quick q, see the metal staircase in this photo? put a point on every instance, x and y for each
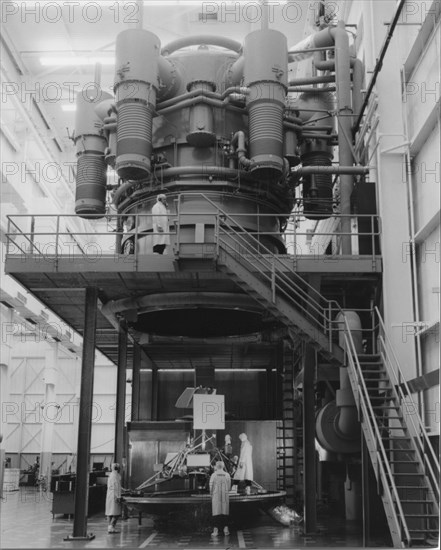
(405, 465)
(287, 297)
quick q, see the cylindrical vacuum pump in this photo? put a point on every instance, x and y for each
(136, 85)
(265, 74)
(90, 141)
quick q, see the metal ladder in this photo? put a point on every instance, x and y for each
(289, 433)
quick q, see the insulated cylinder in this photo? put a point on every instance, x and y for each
(90, 141)
(201, 132)
(265, 75)
(136, 85)
(317, 188)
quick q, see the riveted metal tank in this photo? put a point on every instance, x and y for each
(90, 142)
(136, 85)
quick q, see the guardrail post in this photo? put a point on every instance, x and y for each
(273, 281)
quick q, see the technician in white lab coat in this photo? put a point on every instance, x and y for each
(113, 498)
(244, 470)
(220, 485)
(161, 237)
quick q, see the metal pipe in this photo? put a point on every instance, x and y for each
(195, 170)
(311, 80)
(357, 82)
(379, 64)
(341, 170)
(343, 78)
(312, 90)
(241, 149)
(210, 39)
(199, 99)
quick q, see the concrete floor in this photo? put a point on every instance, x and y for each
(26, 522)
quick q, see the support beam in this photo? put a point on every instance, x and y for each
(85, 418)
(120, 394)
(136, 381)
(309, 454)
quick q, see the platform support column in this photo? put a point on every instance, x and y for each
(155, 391)
(120, 395)
(309, 454)
(366, 490)
(136, 381)
(85, 418)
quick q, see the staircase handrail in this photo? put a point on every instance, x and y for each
(295, 289)
(324, 312)
(369, 416)
(395, 372)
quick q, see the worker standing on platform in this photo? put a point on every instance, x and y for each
(161, 237)
(244, 470)
(220, 485)
(113, 498)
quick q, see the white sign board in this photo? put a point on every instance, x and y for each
(208, 412)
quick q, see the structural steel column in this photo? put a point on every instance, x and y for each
(155, 392)
(366, 490)
(120, 395)
(85, 418)
(136, 381)
(309, 454)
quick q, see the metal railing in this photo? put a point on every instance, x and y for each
(426, 455)
(380, 461)
(425, 450)
(53, 236)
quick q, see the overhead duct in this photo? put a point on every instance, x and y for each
(90, 142)
(136, 86)
(265, 74)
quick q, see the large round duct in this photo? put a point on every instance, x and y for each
(136, 85)
(90, 141)
(337, 424)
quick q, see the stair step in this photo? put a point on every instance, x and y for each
(420, 487)
(421, 515)
(404, 461)
(394, 428)
(417, 501)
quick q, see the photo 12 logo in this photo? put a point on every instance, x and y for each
(71, 12)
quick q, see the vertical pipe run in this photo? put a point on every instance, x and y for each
(85, 416)
(136, 381)
(120, 395)
(343, 83)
